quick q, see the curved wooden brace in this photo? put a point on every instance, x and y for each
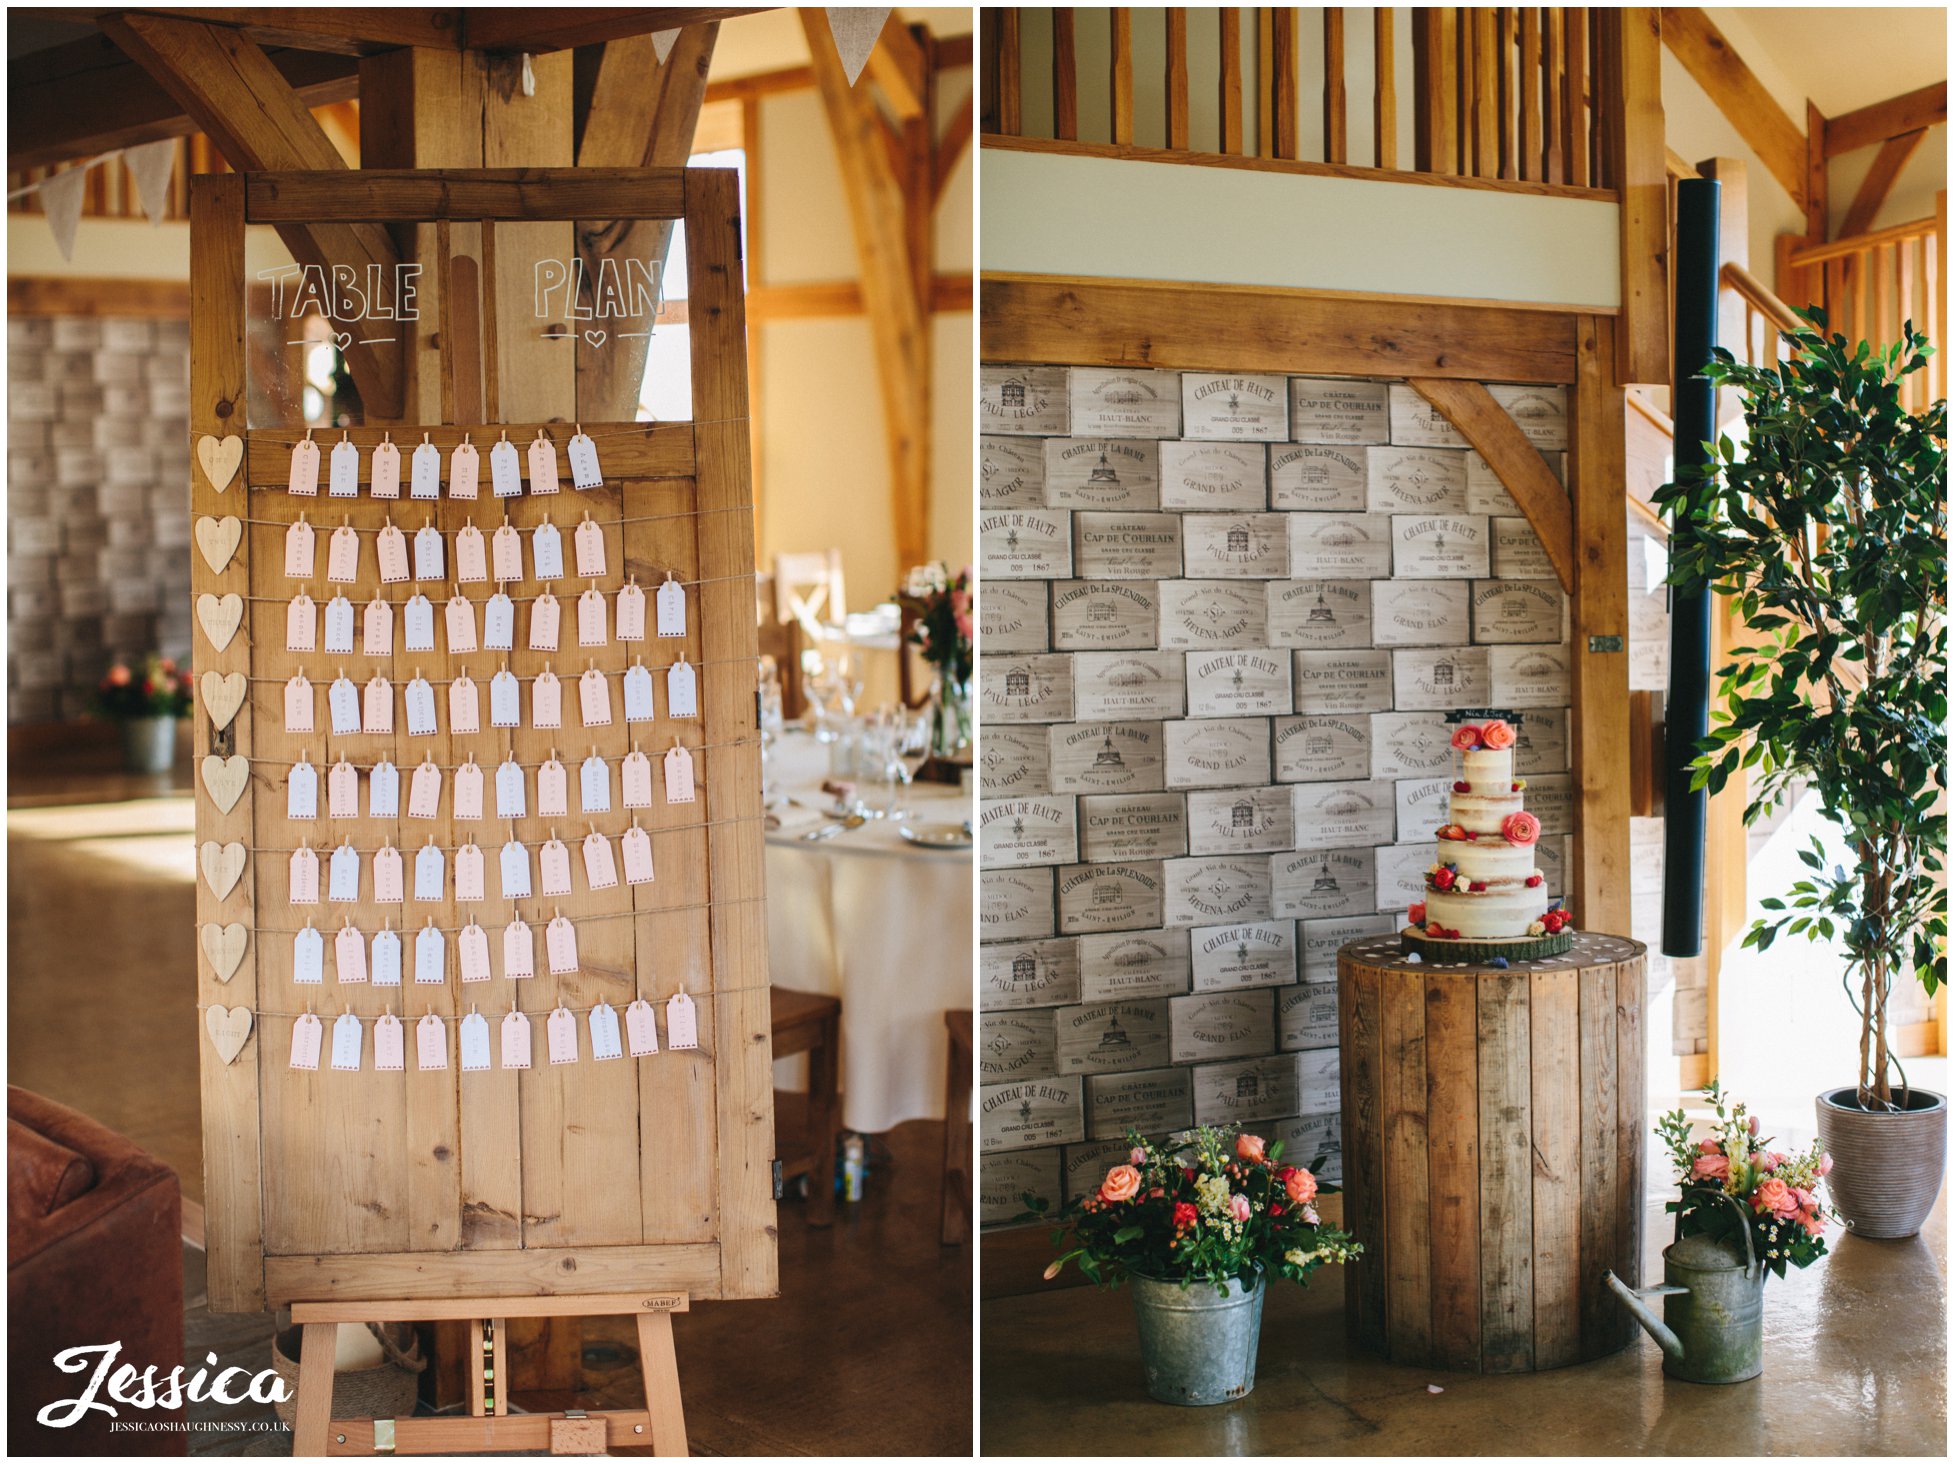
(1517, 463)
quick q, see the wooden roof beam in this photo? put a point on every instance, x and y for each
(1693, 38)
(1882, 121)
(537, 29)
(350, 31)
(901, 67)
(232, 91)
(1892, 156)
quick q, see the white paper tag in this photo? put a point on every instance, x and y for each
(509, 792)
(390, 547)
(430, 560)
(302, 792)
(637, 780)
(301, 623)
(590, 549)
(383, 791)
(377, 708)
(599, 865)
(430, 874)
(552, 790)
(420, 708)
(671, 608)
(516, 1045)
(425, 471)
(594, 783)
(299, 551)
(637, 694)
(339, 626)
(605, 1041)
(304, 885)
(681, 1022)
(560, 941)
(474, 949)
(460, 615)
(518, 950)
(349, 956)
(464, 706)
(546, 701)
(298, 704)
(585, 471)
(553, 864)
(344, 480)
(468, 790)
(642, 1027)
(424, 791)
(630, 613)
(430, 956)
(506, 550)
(505, 700)
(471, 882)
(303, 476)
(637, 856)
(307, 1033)
(343, 555)
(431, 1044)
(389, 884)
(386, 471)
(348, 1039)
(377, 628)
(471, 555)
(505, 469)
(546, 551)
(309, 957)
(681, 691)
(343, 782)
(386, 958)
(678, 776)
(474, 1043)
(343, 876)
(545, 622)
(542, 465)
(499, 623)
(515, 871)
(594, 698)
(464, 472)
(417, 618)
(343, 708)
(560, 1032)
(388, 1056)
(591, 615)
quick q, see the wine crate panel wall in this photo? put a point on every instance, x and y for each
(1223, 619)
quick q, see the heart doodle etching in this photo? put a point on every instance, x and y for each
(596, 337)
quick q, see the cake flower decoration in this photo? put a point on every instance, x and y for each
(1520, 828)
(1468, 737)
(1496, 734)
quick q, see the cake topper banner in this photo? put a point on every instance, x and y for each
(1461, 715)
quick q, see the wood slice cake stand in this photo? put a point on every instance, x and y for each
(1494, 1128)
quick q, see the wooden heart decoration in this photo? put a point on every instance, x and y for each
(220, 458)
(224, 947)
(220, 616)
(218, 539)
(596, 337)
(229, 1028)
(223, 695)
(224, 779)
(222, 865)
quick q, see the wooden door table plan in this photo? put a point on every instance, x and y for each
(447, 1188)
(1494, 1132)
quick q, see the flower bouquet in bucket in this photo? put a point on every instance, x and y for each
(1199, 1225)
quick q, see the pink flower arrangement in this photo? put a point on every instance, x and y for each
(1776, 1190)
(163, 690)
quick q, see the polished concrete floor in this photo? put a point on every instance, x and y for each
(866, 1351)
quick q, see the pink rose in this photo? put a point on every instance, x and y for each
(1773, 1197)
(1520, 828)
(1137, 1157)
(1710, 1166)
(1466, 738)
(120, 676)
(1301, 1186)
(1824, 1163)
(1249, 1147)
(1497, 734)
(1754, 1125)
(1768, 1159)
(1122, 1183)
(1238, 1208)
(1708, 1146)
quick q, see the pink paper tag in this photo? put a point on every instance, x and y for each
(599, 866)
(348, 1039)
(545, 622)
(468, 790)
(307, 1033)
(560, 939)
(542, 465)
(389, 882)
(590, 549)
(343, 875)
(554, 865)
(298, 704)
(344, 469)
(474, 953)
(377, 629)
(389, 1055)
(461, 626)
(605, 1041)
(298, 551)
(302, 791)
(562, 1029)
(678, 776)
(464, 471)
(637, 856)
(671, 608)
(303, 476)
(471, 880)
(339, 626)
(391, 547)
(343, 556)
(594, 698)
(464, 706)
(474, 1043)
(546, 701)
(301, 623)
(591, 630)
(681, 1022)
(305, 878)
(377, 713)
(386, 471)
(424, 791)
(631, 613)
(430, 955)
(349, 956)
(515, 871)
(499, 623)
(386, 958)
(471, 555)
(552, 791)
(518, 950)
(342, 791)
(505, 469)
(431, 1044)
(507, 549)
(637, 780)
(516, 1046)
(641, 1028)
(426, 470)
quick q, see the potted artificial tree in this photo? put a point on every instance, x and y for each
(1827, 528)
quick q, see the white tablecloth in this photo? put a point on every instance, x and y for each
(882, 924)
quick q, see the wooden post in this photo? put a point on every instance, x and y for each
(1384, 98)
(1122, 76)
(1065, 76)
(1176, 78)
(1633, 142)
(1230, 99)
(1336, 145)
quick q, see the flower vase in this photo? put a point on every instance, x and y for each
(950, 720)
(149, 744)
(1197, 1344)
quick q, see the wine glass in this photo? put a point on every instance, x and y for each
(912, 749)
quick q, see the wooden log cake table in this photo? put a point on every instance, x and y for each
(1493, 1141)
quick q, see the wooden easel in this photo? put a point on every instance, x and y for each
(489, 1427)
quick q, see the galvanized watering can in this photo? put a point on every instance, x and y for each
(1712, 1325)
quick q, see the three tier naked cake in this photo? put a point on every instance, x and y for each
(1484, 898)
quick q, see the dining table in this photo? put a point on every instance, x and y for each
(876, 918)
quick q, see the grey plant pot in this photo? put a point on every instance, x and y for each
(149, 744)
(1198, 1346)
(1886, 1167)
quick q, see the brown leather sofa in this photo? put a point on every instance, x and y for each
(94, 1255)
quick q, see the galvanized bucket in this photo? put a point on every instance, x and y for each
(1197, 1344)
(149, 744)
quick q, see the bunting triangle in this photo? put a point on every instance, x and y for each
(856, 28)
(151, 163)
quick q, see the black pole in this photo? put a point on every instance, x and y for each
(1687, 715)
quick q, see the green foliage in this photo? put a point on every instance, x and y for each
(1827, 529)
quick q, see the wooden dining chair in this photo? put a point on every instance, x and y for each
(808, 588)
(804, 1021)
